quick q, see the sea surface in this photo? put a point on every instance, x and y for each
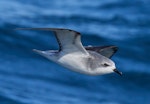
(27, 78)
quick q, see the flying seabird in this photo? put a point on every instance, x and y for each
(91, 60)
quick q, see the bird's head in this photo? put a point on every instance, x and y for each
(107, 66)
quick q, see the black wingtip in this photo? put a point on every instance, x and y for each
(115, 48)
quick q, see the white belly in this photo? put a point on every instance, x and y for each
(75, 62)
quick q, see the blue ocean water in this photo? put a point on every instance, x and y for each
(27, 78)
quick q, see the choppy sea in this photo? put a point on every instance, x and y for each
(27, 78)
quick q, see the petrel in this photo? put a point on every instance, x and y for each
(90, 60)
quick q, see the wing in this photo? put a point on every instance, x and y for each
(107, 51)
(68, 40)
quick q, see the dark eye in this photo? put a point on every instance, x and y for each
(105, 64)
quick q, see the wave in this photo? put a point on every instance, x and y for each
(6, 100)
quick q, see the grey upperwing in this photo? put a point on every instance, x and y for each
(68, 40)
(107, 51)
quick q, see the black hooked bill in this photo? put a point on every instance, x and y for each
(118, 72)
